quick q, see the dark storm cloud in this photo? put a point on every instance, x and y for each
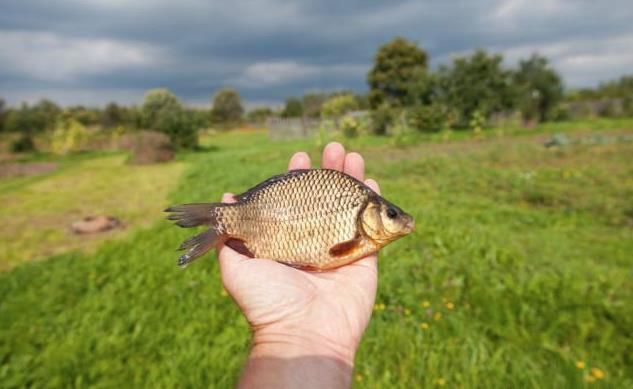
(93, 51)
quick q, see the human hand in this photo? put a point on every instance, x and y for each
(296, 313)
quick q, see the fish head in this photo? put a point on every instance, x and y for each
(384, 222)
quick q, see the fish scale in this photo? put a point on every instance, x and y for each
(301, 232)
(305, 218)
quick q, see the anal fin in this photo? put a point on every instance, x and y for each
(239, 246)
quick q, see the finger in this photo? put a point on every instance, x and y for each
(373, 185)
(228, 198)
(355, 166)
(299, 160)
(333, 156)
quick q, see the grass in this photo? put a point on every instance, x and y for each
(519, 268)
(38, 210)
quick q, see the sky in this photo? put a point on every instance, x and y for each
(91, 52)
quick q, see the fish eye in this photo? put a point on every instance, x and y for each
(392, 213)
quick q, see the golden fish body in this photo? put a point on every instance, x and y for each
(314, 218)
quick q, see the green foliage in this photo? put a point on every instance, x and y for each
(382, 118)
(350, 127)
(84, 115)
(163, 112)
(32, 119)
(259, 115)
(23, 144)
(397, 64)
(227, 107)
(69, 136)
(476, 83)
(2, 113)
(428, 118)
(312, 103)
(293, 108)
(539, 88)
(477, 122)
(339, 105)
(519, 268)
(112, 116)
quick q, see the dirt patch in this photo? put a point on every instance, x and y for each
(26, 169)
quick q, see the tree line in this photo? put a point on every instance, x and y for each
(466, 93)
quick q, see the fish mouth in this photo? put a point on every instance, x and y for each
(409, 225)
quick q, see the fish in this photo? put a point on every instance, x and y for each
(311, 219)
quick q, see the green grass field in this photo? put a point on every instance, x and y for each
(520, 269)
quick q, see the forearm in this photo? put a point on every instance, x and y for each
(296, 361)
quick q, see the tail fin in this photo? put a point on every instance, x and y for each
(192, 215)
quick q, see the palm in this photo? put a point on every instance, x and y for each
(336, 304)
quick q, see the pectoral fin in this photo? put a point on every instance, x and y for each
(345, 248)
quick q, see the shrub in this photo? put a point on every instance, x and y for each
(428, 118)
(163, 112)
(477, 122)
(23, 144)
(350, 127)
(382, 118)
(69, 136)
(338, 105)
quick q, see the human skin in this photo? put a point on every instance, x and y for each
(306, 325)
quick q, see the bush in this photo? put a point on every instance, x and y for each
(163, 112)
(338, 105)
(477, 122)
(23, 144)
(428, 118)
(382, 118)
(70, 135)
(350, 127)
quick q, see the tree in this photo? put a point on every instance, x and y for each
(227, 107)
(163, 112)
(539, 88)
(396, 65)
(259, 115)
(312, 103)
(337, 106)
(112, 116)
(475, 84)
(293, 108)
(47, 113)
(2, 113)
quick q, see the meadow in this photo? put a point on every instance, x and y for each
(517, 276)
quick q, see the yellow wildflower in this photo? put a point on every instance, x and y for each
(580, 364)
(589, 379)
(379, 307)
(407, 311)
(597, 373)
(437, 316)
(223, 293)
(424, 325)
(450, 305)
(359, 377)
(440, 382)
(425, 304)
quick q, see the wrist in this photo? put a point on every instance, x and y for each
(294, 341)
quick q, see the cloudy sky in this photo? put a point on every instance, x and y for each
(93, 51)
